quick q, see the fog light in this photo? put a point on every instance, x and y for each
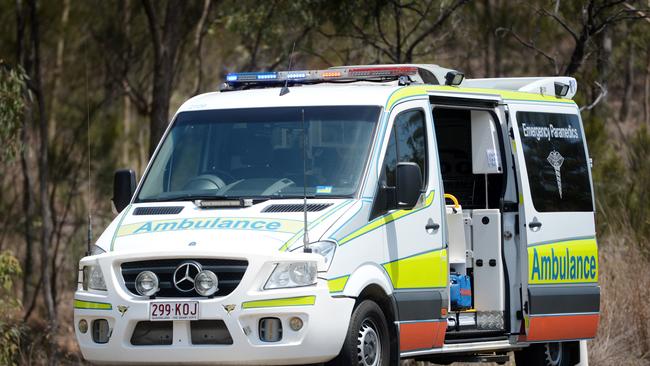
(206, 283)
(146, 284)
(295, 323)
(83, 326)
(270, 330)
(101, 331)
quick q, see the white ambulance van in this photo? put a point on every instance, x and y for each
(357, 215)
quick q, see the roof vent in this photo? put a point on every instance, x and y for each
(312, 207)
(157, 210)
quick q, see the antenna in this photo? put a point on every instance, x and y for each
(90, 218)
(305, 238)
(285, 88)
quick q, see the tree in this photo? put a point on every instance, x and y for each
(168, 30)
(395, 29)
(29, 20)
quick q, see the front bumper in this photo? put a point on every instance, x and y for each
(325, 321)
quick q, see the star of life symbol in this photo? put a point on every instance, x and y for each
(556, 160)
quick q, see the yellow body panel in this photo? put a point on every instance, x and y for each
(338, 284)
(426, 270)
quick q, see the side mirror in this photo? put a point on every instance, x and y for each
(409, 185)
(123, 188)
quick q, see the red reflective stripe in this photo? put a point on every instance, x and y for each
(385, 68)
(422, 335)
(559, 327)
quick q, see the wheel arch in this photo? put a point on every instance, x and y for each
(371, 282)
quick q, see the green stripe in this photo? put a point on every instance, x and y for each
(80, 304)
(289, 301)
(126, 212)
(507, 95)
(338, 284)
(386, 219)
(294, 238)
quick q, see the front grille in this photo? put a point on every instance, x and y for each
(158, 210)
(228, 271)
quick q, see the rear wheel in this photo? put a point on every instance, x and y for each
(367, 342)
(547, 354)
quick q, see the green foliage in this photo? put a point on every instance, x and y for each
(9, 271)
(12, 105)
(10, 322)
(621, 179)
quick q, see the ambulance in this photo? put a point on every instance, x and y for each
(356, 215)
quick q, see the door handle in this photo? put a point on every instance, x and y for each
(534, 225)
(432, 226)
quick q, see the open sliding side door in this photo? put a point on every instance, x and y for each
(560, 292)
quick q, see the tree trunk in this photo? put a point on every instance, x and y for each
(487, 40)
(198, 45)
(578, 55)
(126, 100)
(46, 215)
(166, 35)
(28, 198)
(646, 93)
(628, 84)
(58, 69)
(162, 92)
(28, 208)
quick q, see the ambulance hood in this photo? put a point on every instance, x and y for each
(262, 228)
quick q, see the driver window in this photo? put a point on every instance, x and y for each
(407, 144)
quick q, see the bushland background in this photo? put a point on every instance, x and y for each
(89, 86)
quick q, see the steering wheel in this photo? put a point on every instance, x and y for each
(204, 182)
(222, 173)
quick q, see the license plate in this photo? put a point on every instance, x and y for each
(186, 310)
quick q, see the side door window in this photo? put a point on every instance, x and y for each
(407, 144)
(556, 162)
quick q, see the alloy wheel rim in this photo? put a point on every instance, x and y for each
(553, 352)
(369, 344)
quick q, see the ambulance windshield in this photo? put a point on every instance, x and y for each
(258, 153)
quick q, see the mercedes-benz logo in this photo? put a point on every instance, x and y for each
(184, 276)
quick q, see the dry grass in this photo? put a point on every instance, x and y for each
(624, 331)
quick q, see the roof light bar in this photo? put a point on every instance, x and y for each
(378, 73)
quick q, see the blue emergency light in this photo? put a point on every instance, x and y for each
(266, 78)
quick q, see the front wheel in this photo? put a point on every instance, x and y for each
(366, 342)
(548, 354)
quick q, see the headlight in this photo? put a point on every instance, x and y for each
(326, 249)
(206, 283)
(295, 274)
(93, 278)
(146, 284)
(95, 250)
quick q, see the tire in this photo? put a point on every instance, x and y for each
(548, 354)
(367, 341)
